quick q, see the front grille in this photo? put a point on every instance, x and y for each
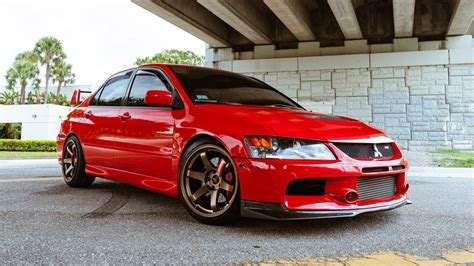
(378, 187)
(306, 187)
(366, 151)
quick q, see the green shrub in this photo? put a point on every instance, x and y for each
(27, 145)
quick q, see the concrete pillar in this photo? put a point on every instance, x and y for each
(403, 16)
(243, 17)
(191, 17)
(346, 18)
(462, 17)
(295, 15)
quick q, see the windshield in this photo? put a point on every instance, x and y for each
(204, 85)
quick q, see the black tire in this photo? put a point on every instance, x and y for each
(227, 188)
(74, 165)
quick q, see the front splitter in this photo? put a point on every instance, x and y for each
(274, 211)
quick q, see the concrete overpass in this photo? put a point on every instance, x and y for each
(406, 66)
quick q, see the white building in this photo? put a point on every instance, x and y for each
(38, 121)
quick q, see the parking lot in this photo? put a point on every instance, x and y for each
(44, 221)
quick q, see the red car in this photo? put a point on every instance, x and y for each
(228, 145)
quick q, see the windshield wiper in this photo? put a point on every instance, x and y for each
(219, 101)
(285, 106)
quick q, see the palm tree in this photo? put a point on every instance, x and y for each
(61, 72)
(28, 56)
(48, 49)
(9, 97)
(22, 71)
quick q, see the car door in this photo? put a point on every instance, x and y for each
(144, 139)
(101, 120)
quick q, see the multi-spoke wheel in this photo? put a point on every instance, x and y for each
(74, 164)
(209, 186)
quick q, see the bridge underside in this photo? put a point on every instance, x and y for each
(242, 24)
(404, 66)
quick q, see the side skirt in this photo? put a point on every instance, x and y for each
(150, 183)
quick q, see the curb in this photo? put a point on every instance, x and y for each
(440, 172)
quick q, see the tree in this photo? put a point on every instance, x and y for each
(48, 49)
(10, 131)
(173, 56)
(61, 72)
(9, 96)
(28, 56)
(22, 72)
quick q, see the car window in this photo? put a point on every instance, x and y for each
(205, 85)
(143, 82)
(113, 92)
(95, 99)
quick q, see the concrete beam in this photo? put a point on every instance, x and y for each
(243, 17)
(295, 15)
(346, 18)
(403, 16)
(191, 17)
(462, 17)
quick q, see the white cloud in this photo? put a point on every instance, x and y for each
(99, 37)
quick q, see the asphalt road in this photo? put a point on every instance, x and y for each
(44, 221)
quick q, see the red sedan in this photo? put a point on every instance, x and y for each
(228, 145)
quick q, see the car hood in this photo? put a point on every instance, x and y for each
(299, 124)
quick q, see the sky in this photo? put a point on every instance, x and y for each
(99, 37)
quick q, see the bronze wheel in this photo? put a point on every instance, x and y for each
(73, 164)
(70, 160)
(209, 185)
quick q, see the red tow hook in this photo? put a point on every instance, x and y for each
(406, 188)
(346, 195)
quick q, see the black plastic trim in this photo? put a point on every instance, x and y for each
(275, 211)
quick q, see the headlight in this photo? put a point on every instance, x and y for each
(283, 148)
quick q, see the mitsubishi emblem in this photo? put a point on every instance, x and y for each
(377, 153)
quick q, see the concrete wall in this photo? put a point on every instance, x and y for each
(39, 121)
(422, 99)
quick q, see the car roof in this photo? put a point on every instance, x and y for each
(181, 65)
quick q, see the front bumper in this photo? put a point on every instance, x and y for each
(264, 183)
(273, 211)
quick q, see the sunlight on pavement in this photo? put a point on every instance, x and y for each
(451, 257)
(31, 179)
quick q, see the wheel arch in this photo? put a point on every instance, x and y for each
(201, 136)
(70, 134)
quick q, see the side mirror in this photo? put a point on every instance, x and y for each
(158, 98)
(76, 97)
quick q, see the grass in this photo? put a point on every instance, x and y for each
(454, 158)
(27, 154)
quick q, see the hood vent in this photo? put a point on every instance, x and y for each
(326, 117)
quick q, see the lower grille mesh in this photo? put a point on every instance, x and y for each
(378, 187)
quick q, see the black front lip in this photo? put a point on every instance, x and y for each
(274, 211)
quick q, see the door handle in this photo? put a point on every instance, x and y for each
(125, 116)
(88, 114)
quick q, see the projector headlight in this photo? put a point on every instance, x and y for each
(284, 148)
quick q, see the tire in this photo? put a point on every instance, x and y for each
(208, 185)
(74, 165)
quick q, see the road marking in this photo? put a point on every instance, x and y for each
(30, 179)
(451, 257)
